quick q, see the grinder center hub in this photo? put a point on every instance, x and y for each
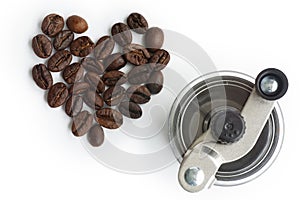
(227, 126)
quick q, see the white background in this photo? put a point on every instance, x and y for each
(40, 159)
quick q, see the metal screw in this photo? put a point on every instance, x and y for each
(228, 126)
(268, 85)
(194, 176)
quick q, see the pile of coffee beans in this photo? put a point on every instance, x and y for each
(92, 72)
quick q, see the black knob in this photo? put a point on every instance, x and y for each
(227, 126)
(271, 84)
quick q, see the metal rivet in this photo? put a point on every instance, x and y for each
(268, 85)
(228, 126)
(194, 176)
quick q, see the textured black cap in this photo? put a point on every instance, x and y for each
(227, 126)
(277, 76)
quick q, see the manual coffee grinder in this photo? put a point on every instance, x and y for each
(227, 128)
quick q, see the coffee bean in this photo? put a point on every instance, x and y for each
(41, 46)
(52, 25)
(95, 82)
(137, 23)
(155, 82)
(113, 78)
(63, 39)
(139, 74)
(82, 46)
(78, 88)
(104, 47)
(73, 73)
(154, 39)
(82, 123)
(42, 76)
(96, 136)
(93, 100)
(136, 54)
(57, 95)
(59, 60)
(77, 24)
(138, 94)
(159, 59)
(73, 105)
(114, 62)
(121, 33)
(130, 109)
(113, 95)
(109, 118)
(92, 65)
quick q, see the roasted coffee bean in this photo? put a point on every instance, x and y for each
(130, 109)
(77, 24)
(95, 81)
(138, 94)
(159, 59)
(73, 105)
(82, 46)
(155, 82)
(121, 33)
(73, 73)
(113, 78)
(95, 136)
(59, 60)
(93, 100)
(136, 54)
(104, 47)
(42, 76)
(92, 65)
(154, 38)
(63, 39)
(137, 23)
(41, 46)
(113, 95)
(109, 118)
(78, 88)
(82, 123)
(52, 25)
(114, 62)
(57, 95)
(139, 74)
